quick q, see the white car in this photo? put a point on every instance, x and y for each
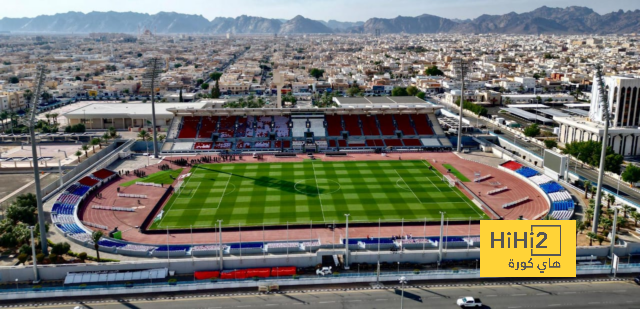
(467, 302)
(324, 271)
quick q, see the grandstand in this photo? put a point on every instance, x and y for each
(562, 204)
(340, 129)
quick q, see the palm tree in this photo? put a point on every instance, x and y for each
(143, 135)
(48, 116)
(96, 236)
(589, 213)
(610, 200)
(106, 137)
(625, 209)
(162, 137)
(592, 236)
(85, 148)
(579, 229)
(78, 154)
(54, 116)
(112, 132)
(587, 185)
(635, 216)
(94, 142)
(3, 116)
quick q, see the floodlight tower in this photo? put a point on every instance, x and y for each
(151, 74)
(603, 152)
(40, 77)
(278, 80)
(461, 68)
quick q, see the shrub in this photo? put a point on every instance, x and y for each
(82, 256)
(173, 281)
(61, 248)
(26, 249)
(40, 257)
(53, 258)
(22, 257)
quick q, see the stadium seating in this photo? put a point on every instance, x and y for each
(527, 172)
(240, 144)
(317, 127)
(281, 128)
(283, 144)
(227, 126)
(393, 142)
(512, 165)
(375, 143)
(263, 144)
(351, 125)
(412, 142)
(369, 125)
(263, 126)
(421, 125)
(334, 125)
(241, 131)
(189, 127)
(88, 181)
(551, 187)
(387, 126)
(404, 124)
(208, 127)
(299, 127)
(540, 179)
(342, 143)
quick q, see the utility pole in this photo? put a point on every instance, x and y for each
(440, 242)
(603, 153)
(346, 243)
(461, 67)
(40, 77)
(154, 68)
(220, 243)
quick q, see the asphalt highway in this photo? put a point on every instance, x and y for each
(601, 294)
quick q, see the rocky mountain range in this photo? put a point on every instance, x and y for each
(569, 20)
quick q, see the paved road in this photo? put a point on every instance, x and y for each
(584, 172)
(621, 294)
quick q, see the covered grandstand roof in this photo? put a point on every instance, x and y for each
(526, 115)
(380, 100)
(344, 110)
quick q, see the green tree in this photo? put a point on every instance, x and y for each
(412, 91)
(177, 65)
(589, 153)
(399, 92)
(161, 137)
(474, 108)
(550, 144)
(85, 148)
(532, 130)
(95, 237)
(205, 86)
(354, 90)
(636, 217)
(421, 95)
(78, 154)
(587, 185)
(631, 174)
(433, 71)
(625, 209)
(592, 236)
(317, 73)
(95, 142)
(215, 92)
(215, 76)
(14, 80)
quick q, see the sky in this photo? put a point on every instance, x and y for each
(342, 10)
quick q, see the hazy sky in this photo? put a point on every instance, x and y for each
(344, 10)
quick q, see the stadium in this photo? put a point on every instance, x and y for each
(257, 181)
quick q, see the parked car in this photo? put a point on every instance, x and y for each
(324, 271)
(637, 280)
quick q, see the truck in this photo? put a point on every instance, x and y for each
(467, 302)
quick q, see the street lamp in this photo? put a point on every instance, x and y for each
(403, 281)
(60, 150)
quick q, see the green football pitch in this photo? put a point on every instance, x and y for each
(313, 191)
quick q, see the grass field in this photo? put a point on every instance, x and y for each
(297, 193)
(161, 177)
(456, 173)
